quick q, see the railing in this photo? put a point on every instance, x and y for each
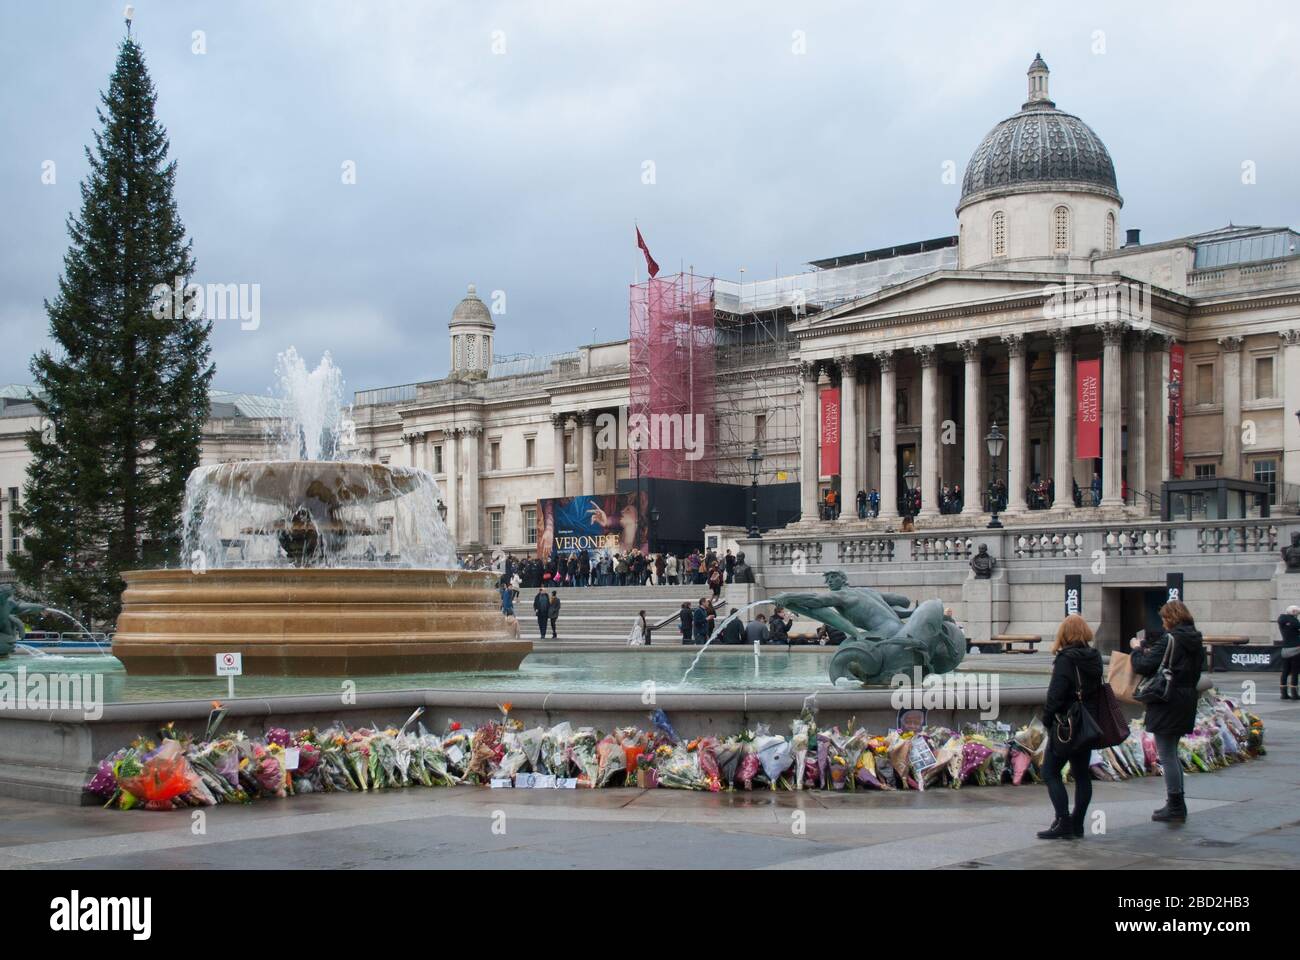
(1237, 536)
(1246, 539)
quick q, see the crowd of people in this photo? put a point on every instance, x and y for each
(586, 568)
(1039, 495)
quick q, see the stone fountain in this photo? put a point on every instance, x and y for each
(314, 565)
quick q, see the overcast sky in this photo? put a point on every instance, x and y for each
(522, 170)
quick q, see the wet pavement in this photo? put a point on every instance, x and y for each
(1245, 816)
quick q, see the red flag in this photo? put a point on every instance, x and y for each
(651, 267)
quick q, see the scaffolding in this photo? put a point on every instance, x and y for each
(758, 393)
(671, 419)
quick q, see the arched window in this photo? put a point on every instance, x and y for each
(998, 232)
(1061, 229)
(1110, 232)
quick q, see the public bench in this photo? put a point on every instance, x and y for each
(1220, 641)
(1006, 642)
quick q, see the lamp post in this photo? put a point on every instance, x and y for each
(442, 510)
(995, 440)
(755, 461)
(652, 538)
(909, 484)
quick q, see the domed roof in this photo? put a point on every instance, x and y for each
(471, 312)
(1039, 147)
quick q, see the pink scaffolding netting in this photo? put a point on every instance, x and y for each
(670, 352)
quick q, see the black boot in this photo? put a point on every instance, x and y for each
(1174, 810)
(1295, 694)
(1286, 693)
(1061, 829)
(1077, 822)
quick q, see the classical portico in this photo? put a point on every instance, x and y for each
(944, 377)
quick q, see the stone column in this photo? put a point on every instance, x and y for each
(808, 466)
(1137, 417)
(587, 430)
(427, 453)
(1017, 424)
(870, 421)
(931, 455)
(472, 520)
(450, 495)
(557, 452)
(1063, 421)
(972, 500)
(1291, 391)
(1231, 347)
(1112, 437)
(849, 431)
(888, 437)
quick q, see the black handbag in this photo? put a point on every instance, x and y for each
(1158, 687)
(1078, 731)
(1110, 719)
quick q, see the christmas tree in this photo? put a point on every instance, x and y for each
(124, 392)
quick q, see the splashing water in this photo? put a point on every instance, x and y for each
(718, 629)
(315, 507)
(314, 408)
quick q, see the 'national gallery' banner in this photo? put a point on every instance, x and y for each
(1087, 430)
(1176, 376)
(829, 418)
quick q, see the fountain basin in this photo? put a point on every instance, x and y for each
(315, 621)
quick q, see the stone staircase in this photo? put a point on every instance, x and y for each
(605, 614)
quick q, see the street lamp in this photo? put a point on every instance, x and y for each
(909, 484)
(442, 510)
(755, 461)
(995, 440)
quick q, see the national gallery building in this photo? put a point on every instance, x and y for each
(1042, 346)
(1038, 305)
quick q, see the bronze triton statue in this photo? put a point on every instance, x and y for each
(11, 628)
(884, 634)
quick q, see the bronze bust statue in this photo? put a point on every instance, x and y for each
(1291, 554)
(982, 563)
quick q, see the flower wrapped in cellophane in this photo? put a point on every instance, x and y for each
(584, 756)
(680, 770)
(157, 777)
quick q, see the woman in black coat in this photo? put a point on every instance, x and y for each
(1170, 720)
(1289, 625)
(1077, 667)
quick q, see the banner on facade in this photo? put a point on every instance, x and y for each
(830, 431)
(1073, 594)
(1174, 587)
(1253, 657)
(606, 523)
(1087, 429)
(1176, 376)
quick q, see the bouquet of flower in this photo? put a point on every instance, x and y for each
(773, 756)
(749, 766)
(899, 752)
(553, 755)
(799, 730)
(976, 754)
(708, 760)
(728, 754)
(680, 770)
(583, 754)
(457, 746)
(610, 761)
(157, 777)
(514, 759)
